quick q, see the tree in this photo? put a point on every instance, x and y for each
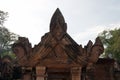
(111, 41)
(6, 37)
(3, 16)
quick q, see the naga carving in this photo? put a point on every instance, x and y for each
(22, 49)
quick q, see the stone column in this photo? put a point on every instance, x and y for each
(90, 72)
(27, 74)
(40, 73)
(76, 73)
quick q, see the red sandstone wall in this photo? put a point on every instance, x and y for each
(104, 69)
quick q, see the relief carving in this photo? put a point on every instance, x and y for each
(57, 45)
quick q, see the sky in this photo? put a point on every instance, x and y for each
(85, 18)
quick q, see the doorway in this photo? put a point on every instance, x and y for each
(58, 74)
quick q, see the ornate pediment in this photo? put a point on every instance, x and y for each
(57, 47)
(56, 41)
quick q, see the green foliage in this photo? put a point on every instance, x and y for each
(3, 16)
(111, 41)
(8, 53)
(6, 37)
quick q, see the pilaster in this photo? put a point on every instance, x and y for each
(76, 73)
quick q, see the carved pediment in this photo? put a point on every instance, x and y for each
(56, 42)
(57, 47)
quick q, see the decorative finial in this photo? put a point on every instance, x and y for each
(58, 26)
(57, 19)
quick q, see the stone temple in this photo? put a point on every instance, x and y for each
(59, 57)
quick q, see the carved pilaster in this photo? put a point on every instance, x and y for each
(40, 73)
(90, 72)
(76, 73)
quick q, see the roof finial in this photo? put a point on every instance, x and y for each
(57, 19)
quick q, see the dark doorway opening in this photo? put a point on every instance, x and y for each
(58, 74)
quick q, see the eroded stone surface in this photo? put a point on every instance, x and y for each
(57, 50)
